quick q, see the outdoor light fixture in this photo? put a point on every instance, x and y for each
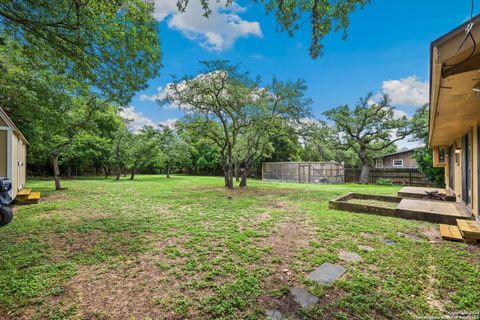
(476, 88)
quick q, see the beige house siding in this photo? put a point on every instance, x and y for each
(454, 111)
(3, 153)
(458, 178)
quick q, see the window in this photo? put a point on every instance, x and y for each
(379, 163)
(442, 155)
(398, 163)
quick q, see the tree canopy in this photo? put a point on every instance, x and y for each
(370, 127)
(234, 111)
(92, 41)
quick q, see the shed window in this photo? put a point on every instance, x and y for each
(398, 163)
(379, 163)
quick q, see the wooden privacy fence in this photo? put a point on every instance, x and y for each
(303, 172)
(404, 176)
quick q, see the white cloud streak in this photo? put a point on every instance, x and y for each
(409, 91)
(218, 32)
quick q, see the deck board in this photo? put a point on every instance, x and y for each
(450, 232)
(24, 192)
(470, 230)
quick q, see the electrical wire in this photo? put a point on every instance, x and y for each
(468, 35)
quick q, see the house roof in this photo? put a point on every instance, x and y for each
(12, 125)
(394, 153)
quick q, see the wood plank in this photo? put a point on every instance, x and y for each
(468, 227)
(24, 192)
(34, 196)
(450, 232)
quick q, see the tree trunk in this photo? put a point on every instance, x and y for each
(168, 171)
(237, 175)
(364, 174)
(132, 176)
(119, 172)
(228, 175)
(56, 173)
(107, 171)
(97, 169)
(243, 182)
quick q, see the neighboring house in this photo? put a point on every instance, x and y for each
(401, 159)
(13, 152)
(454, 132)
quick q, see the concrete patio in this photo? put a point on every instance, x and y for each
(446, 212)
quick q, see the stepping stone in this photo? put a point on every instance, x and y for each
(389, 242)
(304, 298)
(274, 315)
(327, 273)
(366, 248)
(349, 256)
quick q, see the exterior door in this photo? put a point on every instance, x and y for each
(466, 169)
(451, 167)
(304, 172)
(478, 171)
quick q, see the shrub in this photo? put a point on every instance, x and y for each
(384, 182)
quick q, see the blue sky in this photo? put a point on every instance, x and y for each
(387, 50)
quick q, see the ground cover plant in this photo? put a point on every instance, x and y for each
(186, 247)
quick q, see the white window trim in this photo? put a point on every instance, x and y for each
(10, 158)
(377, 163)
(396, 165)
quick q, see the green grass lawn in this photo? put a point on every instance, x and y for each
(184, 247)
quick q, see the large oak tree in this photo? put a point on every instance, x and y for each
(368, 129)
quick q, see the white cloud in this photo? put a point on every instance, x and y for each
(407, 91)
(218, 32)
(398, 114)
(168, 123)
(138, 120)
(161, 92)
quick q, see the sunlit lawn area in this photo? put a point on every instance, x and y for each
(185, 247)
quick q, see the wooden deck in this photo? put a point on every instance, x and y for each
(419, 192)
(446, 212)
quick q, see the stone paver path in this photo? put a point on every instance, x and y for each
(327, 273)
(274, 315)
(304, 298)
(366, 248)
(349, 256)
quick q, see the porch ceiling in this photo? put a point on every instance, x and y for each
(455, 70)
(457, 109)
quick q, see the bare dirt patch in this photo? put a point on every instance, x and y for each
(290, 236)
(431, 233)
(283, 205)
(115, 293)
